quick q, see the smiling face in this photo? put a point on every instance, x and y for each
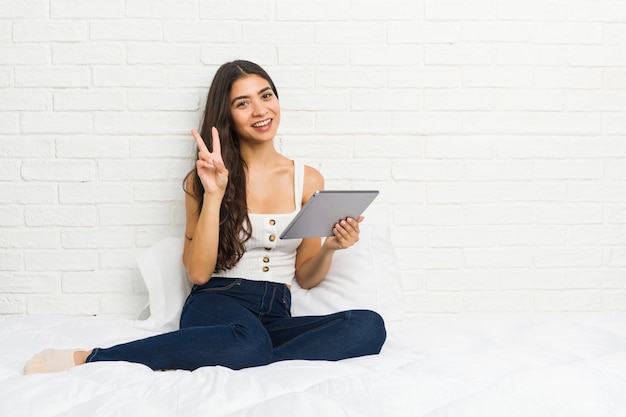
(254, 108)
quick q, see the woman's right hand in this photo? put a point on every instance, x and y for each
(210, 166)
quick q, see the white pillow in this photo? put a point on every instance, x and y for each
(165, 277)
(364, 276)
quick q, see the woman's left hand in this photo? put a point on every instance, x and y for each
(346, 234)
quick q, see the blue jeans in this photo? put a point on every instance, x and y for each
(239, 323)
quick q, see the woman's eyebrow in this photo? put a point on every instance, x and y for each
(243, 97)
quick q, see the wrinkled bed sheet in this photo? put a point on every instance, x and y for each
(498, 365)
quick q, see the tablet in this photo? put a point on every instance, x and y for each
(324, 209)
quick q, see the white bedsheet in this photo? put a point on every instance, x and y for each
(469, 366)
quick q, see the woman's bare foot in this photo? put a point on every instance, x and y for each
(80, 356)
(55, 360)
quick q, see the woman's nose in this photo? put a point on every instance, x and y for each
(259, 110)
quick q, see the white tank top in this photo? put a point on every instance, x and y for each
(267, 257)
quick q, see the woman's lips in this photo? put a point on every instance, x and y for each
(263, 124)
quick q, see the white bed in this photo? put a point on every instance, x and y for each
(499, 365)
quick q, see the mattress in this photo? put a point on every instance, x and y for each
(484, 365)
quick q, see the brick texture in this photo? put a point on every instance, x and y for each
(494, 129)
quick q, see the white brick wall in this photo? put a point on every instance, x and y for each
(495, 130)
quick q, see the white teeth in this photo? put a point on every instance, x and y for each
(263, 123)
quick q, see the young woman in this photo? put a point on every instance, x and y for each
(240, 196)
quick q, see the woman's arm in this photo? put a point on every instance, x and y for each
(202, 227)
(201, 238)
(313, 258)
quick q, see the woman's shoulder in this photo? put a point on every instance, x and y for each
(188, 183)
(312, 174)
(313, 181)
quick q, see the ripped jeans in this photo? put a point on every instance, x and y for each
(239, 323)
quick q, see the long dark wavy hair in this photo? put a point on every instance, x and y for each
(235, 227)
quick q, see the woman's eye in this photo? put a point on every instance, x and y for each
(267, 95)
(242, 104)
